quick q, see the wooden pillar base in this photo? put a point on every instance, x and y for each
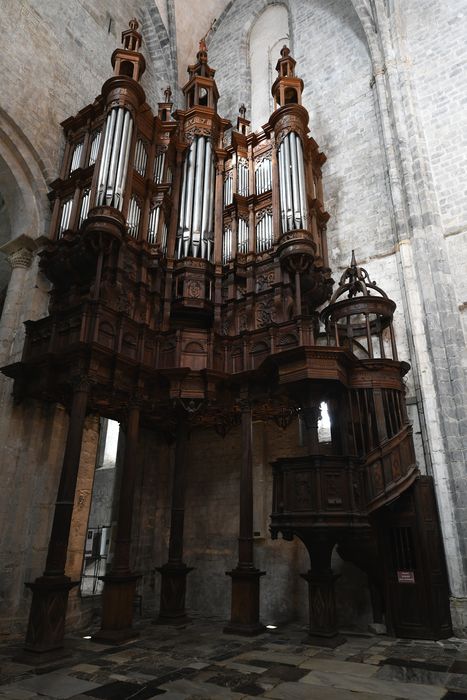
(46, 627)
(244, 617)
(117, 608)
(173, 590)
(322, 602)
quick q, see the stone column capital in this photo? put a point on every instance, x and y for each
(21, 258)
(20, 250)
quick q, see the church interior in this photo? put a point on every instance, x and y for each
(232, 340)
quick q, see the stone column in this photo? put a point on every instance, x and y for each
(120, 583)
(46, 629)
(174, 572)
(245, 577)
(20, 256)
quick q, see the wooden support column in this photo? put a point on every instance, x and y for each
(46, 628)
(323, 629)
(245, 577)
(174, 572)
(120, 583)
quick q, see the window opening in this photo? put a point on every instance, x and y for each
(97, 551)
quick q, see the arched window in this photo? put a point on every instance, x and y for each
(268, 35)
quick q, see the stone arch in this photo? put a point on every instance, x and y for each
(160, 45)
(272, 25)
(22, 181)
(242, 44)
(23, 192)
(231, 36)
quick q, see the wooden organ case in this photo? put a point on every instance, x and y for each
(187, 273)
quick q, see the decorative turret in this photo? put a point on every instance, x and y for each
(360, 320)
(127, 60)
(201, 89)
(243, 124)
(165, 107)
(287, 88)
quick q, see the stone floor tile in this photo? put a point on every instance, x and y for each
(201, 690)
(375, 660)
(198, 665)
(85, 668)
(120, 690)
(299, 691)
(333, 666)
(243, 668)
(14, 692)
(281, 672)
(412, 674)
(359, 684)
(56, 685)
(457, 681)
(277, 657)
(140, 677)
(458, 666)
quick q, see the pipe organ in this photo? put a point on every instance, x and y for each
(188, 271)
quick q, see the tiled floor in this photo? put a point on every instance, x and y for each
(200, 662)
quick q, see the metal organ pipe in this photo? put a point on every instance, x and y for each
(268, 166)
(301, 182)
(96, 139)
(283, 197)
(198, 197)
(242, 239)
(134, 213)
(207, 191)
(182, 207)
(227, 245)
(243, 177)
(65, 217)
(196, 206)
(153, 224)
(288, 188)
(105, 158)
(269, 236)
(296, 211)
(190, 192)
(210, 235)
(84, 206)
(123, 160)
(159, 167)
(114, 160)
(76, 158)
(292, 183)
